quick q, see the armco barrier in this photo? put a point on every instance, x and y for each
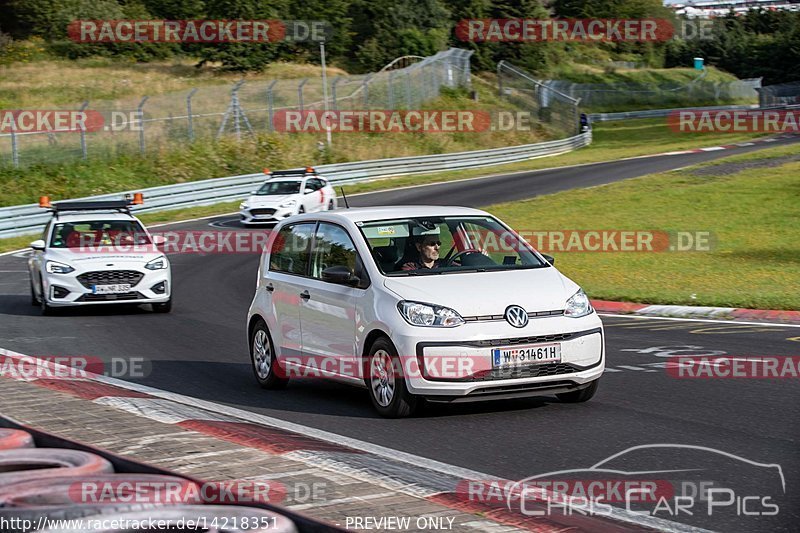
(652, 113)
(30, 218)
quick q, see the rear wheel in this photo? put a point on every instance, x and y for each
(330, 205)
(262, 356)
(578, 396)
(301, 210)
(386, 382)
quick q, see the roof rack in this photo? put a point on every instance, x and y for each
(293, 172)
(122, 206)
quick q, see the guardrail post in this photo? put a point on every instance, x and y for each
(140, 114)
(189, 113)
(270, 103)
(83, 132)
(335, 103)
(300, 93)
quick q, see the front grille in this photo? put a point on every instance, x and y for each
(523, 340)
(531, 371)
(133, 295)
(260, 211)
(492, 318)
(110, 277)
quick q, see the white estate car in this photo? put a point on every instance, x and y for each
(442, 303)
(287, 193)
(95, 253)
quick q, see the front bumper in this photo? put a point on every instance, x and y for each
(456, 364)
(255, 215)
(154, 286)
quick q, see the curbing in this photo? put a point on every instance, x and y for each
(688, 311)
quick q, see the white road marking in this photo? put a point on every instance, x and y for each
(733, 322)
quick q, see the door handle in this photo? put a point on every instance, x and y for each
(304, 295)
(269, 287)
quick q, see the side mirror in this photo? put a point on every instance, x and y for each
(308, 190)
(38, 245)
(340, 274)
(158, 240)
(550, 259)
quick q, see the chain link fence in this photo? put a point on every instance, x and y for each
(780, 94)
(143, 124)
(551, 108)
(625, 96)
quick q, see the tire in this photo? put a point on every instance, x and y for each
(34, 299)
(579, 396)
(386, 382)
(163, 307)
(330, 205)
(262, 358)
(175, 516)
(39, 463)
(63, 498)
(12, 439)
(301, 210)
(43, 305)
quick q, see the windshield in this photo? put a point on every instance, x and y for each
(97, 233)
(279, 187)
(442, 245)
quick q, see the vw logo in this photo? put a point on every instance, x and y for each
(516, 316)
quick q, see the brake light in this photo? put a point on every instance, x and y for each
(44, 201)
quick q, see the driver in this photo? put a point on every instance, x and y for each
(428, 247)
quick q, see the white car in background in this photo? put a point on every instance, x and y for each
(442, 303)
(287, 193)
(97, 253)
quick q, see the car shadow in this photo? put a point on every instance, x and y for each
(20, 305)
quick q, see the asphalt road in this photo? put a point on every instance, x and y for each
(200, 350)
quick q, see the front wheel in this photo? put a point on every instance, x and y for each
(163, 307)
(43, 305)
(34, 299)
(578, 396)
(386, 383)
(262, 356)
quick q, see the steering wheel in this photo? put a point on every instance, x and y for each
(451, 260)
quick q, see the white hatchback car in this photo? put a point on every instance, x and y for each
(97, 253)
(442, 303)
(287, 193)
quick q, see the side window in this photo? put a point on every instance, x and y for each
(290, 249)
(316, 183)
(332, 247)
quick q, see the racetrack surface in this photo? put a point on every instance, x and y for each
(200, 350)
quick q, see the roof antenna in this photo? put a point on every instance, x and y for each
(344, 197)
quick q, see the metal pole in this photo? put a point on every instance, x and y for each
(189, 114)
(408, 90)
(140, 110)
(14, 147)
(83, 132)
(300, 93)
(270, 125)
(391, 89)
(499, 80)
(366, 91)
(325, 92)
(236, 110)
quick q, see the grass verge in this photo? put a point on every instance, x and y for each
(748, 203)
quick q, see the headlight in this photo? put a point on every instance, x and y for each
(290, 203)
(157, 264)
(578, 305)
(419, 314)
(243, 205)
(55, 267)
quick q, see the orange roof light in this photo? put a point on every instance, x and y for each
(267, 171)
(309, 170)
(44, 201)
(138, 198)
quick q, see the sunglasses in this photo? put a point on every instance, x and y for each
(432, 243)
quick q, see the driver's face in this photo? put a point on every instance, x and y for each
(429, 249)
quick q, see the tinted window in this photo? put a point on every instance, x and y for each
(290, 249)
(279, 187)
(333, 247)
(315, 184)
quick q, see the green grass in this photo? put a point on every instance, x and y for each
(752, 215)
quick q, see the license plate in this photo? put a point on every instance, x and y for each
(526, 354)
(111, 289)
